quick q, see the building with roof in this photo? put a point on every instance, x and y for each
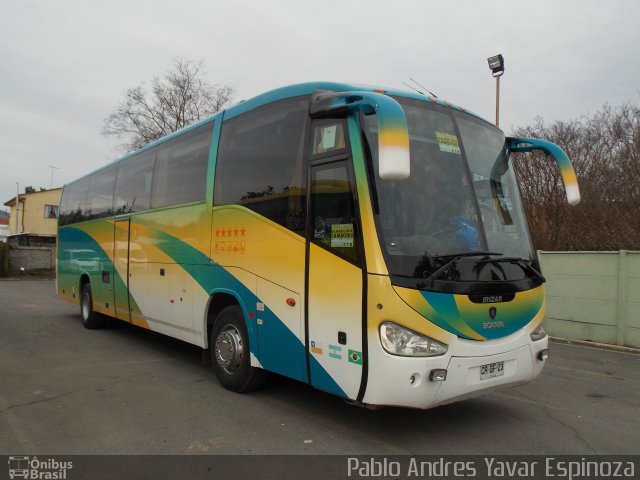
(34, 217)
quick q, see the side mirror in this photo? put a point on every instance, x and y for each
(393, 132)
(567, 172)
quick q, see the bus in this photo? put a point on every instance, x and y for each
(369, 242)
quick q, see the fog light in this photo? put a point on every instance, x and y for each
(543, 354)
(438, 375)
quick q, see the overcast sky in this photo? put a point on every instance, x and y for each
(65, 65)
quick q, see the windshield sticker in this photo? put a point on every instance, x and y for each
(448, 143)
(329, 137)
(342, 235)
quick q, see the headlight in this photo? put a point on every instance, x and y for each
(401, 341)
(538, 333)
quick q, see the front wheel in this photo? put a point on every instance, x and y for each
(90, 319)
(230, 354)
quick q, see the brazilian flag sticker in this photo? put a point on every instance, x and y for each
(355, 357)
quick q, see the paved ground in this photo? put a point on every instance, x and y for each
(67, 390)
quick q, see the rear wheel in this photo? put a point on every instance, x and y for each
(230, 354)
(90, 319)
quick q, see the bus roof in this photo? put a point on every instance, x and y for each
(281, 93)
(297, 90)
(308, 88)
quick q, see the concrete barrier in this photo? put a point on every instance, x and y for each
(31, 259)
(593, 296)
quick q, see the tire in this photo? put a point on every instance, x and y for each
(230, 354)
(90, 319)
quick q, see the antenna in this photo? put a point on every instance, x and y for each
(425, 88)
(413, 88)
(52, 167)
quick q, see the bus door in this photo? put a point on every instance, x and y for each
(335, 280)
(121, 247)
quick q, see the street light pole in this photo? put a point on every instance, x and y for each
(496, 64)
(498, 101)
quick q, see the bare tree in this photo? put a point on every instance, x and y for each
(605, 150)
(177, 99)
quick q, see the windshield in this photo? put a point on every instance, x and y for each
(460, 202)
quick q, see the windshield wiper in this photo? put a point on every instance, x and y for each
(454, 257)
(521, 262)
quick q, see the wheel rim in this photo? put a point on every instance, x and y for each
(229, 349)
(85, 307)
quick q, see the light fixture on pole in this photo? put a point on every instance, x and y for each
(496, 64)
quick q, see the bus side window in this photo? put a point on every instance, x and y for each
(260, 163)
(133, 184)
(100, 199)
(73, 207)
(333, 210)
(180, 174)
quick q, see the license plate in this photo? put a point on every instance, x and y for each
(491, 370)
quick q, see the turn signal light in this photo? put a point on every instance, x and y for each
(438, 375)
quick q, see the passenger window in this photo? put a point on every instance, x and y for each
(133, 186)
(100, 199)
(181, 168)
(333, 210)
(260, 162)
(74, 202)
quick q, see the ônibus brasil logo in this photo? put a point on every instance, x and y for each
(33, 468)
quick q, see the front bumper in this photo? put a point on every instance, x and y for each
(404, 381)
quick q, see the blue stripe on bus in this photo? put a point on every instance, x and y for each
(212, 277)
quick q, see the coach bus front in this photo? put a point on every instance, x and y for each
(459, 309)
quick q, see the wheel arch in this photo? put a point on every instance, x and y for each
(218, 300)
(84, 279)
